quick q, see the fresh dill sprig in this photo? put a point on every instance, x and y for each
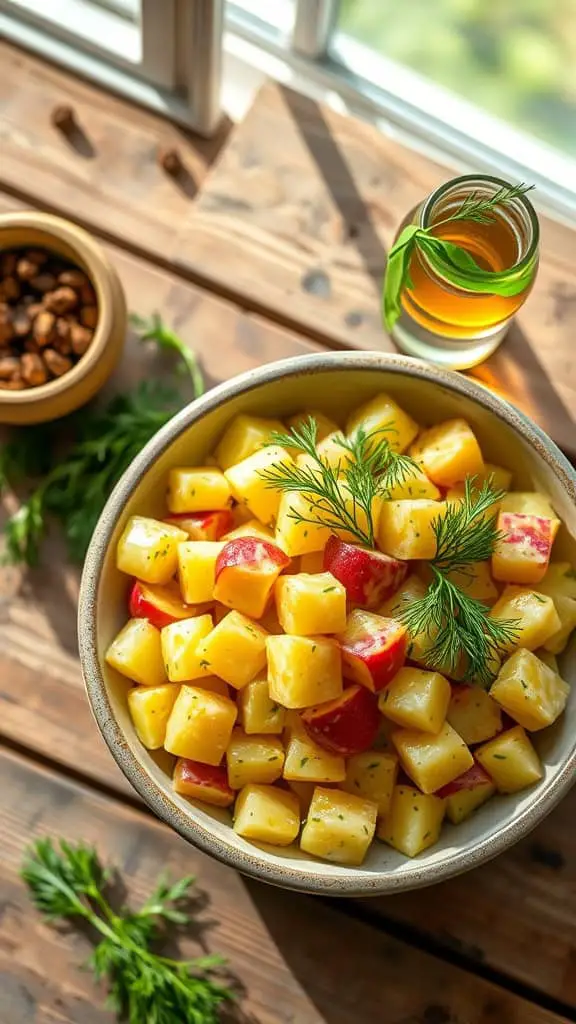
(339, 497)
(464, 636)
(68, 881)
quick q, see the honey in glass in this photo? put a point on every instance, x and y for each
(445, 322)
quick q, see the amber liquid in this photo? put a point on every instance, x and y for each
(450, 311)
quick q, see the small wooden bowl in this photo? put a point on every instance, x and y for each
(64, 394)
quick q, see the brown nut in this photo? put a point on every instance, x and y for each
(9, 366)
(61, 341)
(43, 329)
(43, 283)
(6, 332)
(56, 363)
(62, 300)
(81, 338)
(33, 369)
(73, 278)
(16, 383)
(30, 345)
(21, 321)
(10, 289)
(34, 309)
(89, 316)
(87, 295)
(7, 264)
(37, 256)
(26, 269)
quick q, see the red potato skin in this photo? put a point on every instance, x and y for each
(203, 782)
(251, 553)
(369, 577)
(203, 525)
(536, 532)
(374, 659)
(475, 776)
(160, 605)
(347, 725)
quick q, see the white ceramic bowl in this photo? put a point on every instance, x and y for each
(336, 383)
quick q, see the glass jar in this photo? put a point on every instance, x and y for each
(442, 320)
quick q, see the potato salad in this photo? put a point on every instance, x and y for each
(345, 632)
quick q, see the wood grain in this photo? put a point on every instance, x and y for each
(299, 961)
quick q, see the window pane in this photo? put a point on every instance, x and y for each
(127, 8)
(278, 14)
(514, 58)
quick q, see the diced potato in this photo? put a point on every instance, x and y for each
(324, 424)
(528, 503)
(303, 670)
(529, 691)
(243, 436)
(456, 494)
(473, 714)
(414, 486)
(306, 761)
(249, 487)
(548, 658)
(253, 759)
(180, 642)
(312, 562)
(339, 827)
(246, 571)
(310, 604)
(269, 621)
(235, 650)
(304, 791)
(499, 478)
(416, 699)
(461, 805)
(477, 582)
(137, 653)
(536, 617)
(148, 549)
(384, 415)
(559, 581)
(523, 546)
(448, 452)
(413, 822)
(205, 782)
(566, 608)
(200, 725)
(199, 489)
(412, 589)
(251, 528)
(197, 569)
(358, 513)
(297, 538)
(267, 814)
(372, 775)
(432, 761)
(213, 684)
(258, 712)
(405, 528)
(510, 760)
(332, 453)
(150, 708)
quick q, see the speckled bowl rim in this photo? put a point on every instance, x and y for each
(255, 864)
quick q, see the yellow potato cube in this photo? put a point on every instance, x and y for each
(249, 486)
(476, 582)
(148, 549)
(384, 417)
(528, 503)
(416, 699)
(531, 693)
(180, 642)
(559, 581)
(267, 814)
(258, 712)
(251, 528)
(243, 436)
(413, 589)
(324, 425)
(304, 791)
(235, 650)
(414, 486)
(253, 759)
(372, 775)
(306, 761)
(339, 826)
(150, 708)
(213, 684)
(566, 608)
(456, 494)
(303, 670)
(548, 658)
(198, 489)
(413, 822)
(200, 725)
(405, 528)
(510, 760)
(473, 714)
(461, 805)
(331, 451)
(299, 538)
(536, 617)
(137, 653)
(448, 452)
(310, 604)
(432, 761)
(197, 569)
(359, 514)
(498, 477)
(312, 562)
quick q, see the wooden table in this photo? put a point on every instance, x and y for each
(249, 278)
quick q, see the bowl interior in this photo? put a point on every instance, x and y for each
(334, 384)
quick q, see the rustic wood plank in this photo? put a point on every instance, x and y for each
(303, 229)
(299, 961)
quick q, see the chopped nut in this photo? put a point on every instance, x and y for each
(56, 363)
(21, 321)
(44, 327)
(34, 309)
(81, 338)
(6, 332)
(37, 256)
(89, 316)
(30, 345)
(43, 283)
(62, 300)
(26, 269)
(7, 264)
(88, 295)
(10, 289)
(9, 366)
(16, 383)
(74, 278)
(34, 371)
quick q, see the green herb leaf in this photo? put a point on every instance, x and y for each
(398, 274)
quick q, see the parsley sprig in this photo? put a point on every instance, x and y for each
(450, 260)
(340, 497)
(68, 882)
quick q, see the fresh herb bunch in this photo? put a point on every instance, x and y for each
(448, 259)
(106, 442)
(464, 635)
(341, 496)
(144, 988)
